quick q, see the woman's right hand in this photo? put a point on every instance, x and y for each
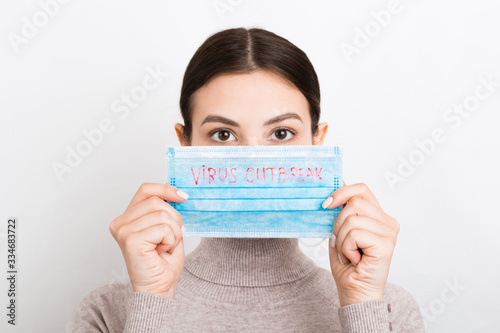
(150, 236)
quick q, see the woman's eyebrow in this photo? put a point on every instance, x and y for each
(219, 119)
(224, 120)
(281, 117)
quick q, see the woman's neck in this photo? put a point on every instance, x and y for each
(249, 262)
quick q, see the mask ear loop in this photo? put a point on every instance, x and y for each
(321, 241)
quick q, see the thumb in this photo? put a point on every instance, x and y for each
(338, 261)
(343, 182)
(336, 258)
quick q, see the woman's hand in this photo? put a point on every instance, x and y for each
(362, 246)
(150, 235)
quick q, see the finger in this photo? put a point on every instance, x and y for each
(163, 191)
(336, 257)
(328, 200)
(343, 182)
(176, 252)
(357, 206)
(354, 222)
(149, 205)
(370, 244)
(148, 239)
(180, 245)
(146, 221)
(342, 195)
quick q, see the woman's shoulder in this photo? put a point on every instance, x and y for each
(104, 306)
(112, 295)
(116, 291)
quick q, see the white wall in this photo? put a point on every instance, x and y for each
(63, 79)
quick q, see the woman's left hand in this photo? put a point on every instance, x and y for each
(362, 246)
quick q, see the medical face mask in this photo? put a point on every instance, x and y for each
(256, 191)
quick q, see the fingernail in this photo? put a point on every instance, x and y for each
(183, 232)
(327, 202)
(182, 194)
(340, 258)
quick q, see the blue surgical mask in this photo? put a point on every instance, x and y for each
(256, 191)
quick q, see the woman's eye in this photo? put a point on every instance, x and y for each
(281, 134)
(222, 135)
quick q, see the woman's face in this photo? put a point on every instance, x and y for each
(259, 108)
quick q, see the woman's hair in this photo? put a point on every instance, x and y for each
(241, 51)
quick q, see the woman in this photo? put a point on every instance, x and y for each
(251, 87)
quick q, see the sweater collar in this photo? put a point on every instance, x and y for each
(249, 262)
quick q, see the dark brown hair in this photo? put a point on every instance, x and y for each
(241, 51)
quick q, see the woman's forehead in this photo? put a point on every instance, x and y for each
(256, 96)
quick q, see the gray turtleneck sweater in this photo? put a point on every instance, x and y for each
(247, 284)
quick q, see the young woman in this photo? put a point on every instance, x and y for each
(251, 87)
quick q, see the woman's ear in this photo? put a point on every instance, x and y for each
(179, 130)
(320, 134)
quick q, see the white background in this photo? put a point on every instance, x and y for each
(63, 80)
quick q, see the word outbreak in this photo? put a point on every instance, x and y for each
(211, 175)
